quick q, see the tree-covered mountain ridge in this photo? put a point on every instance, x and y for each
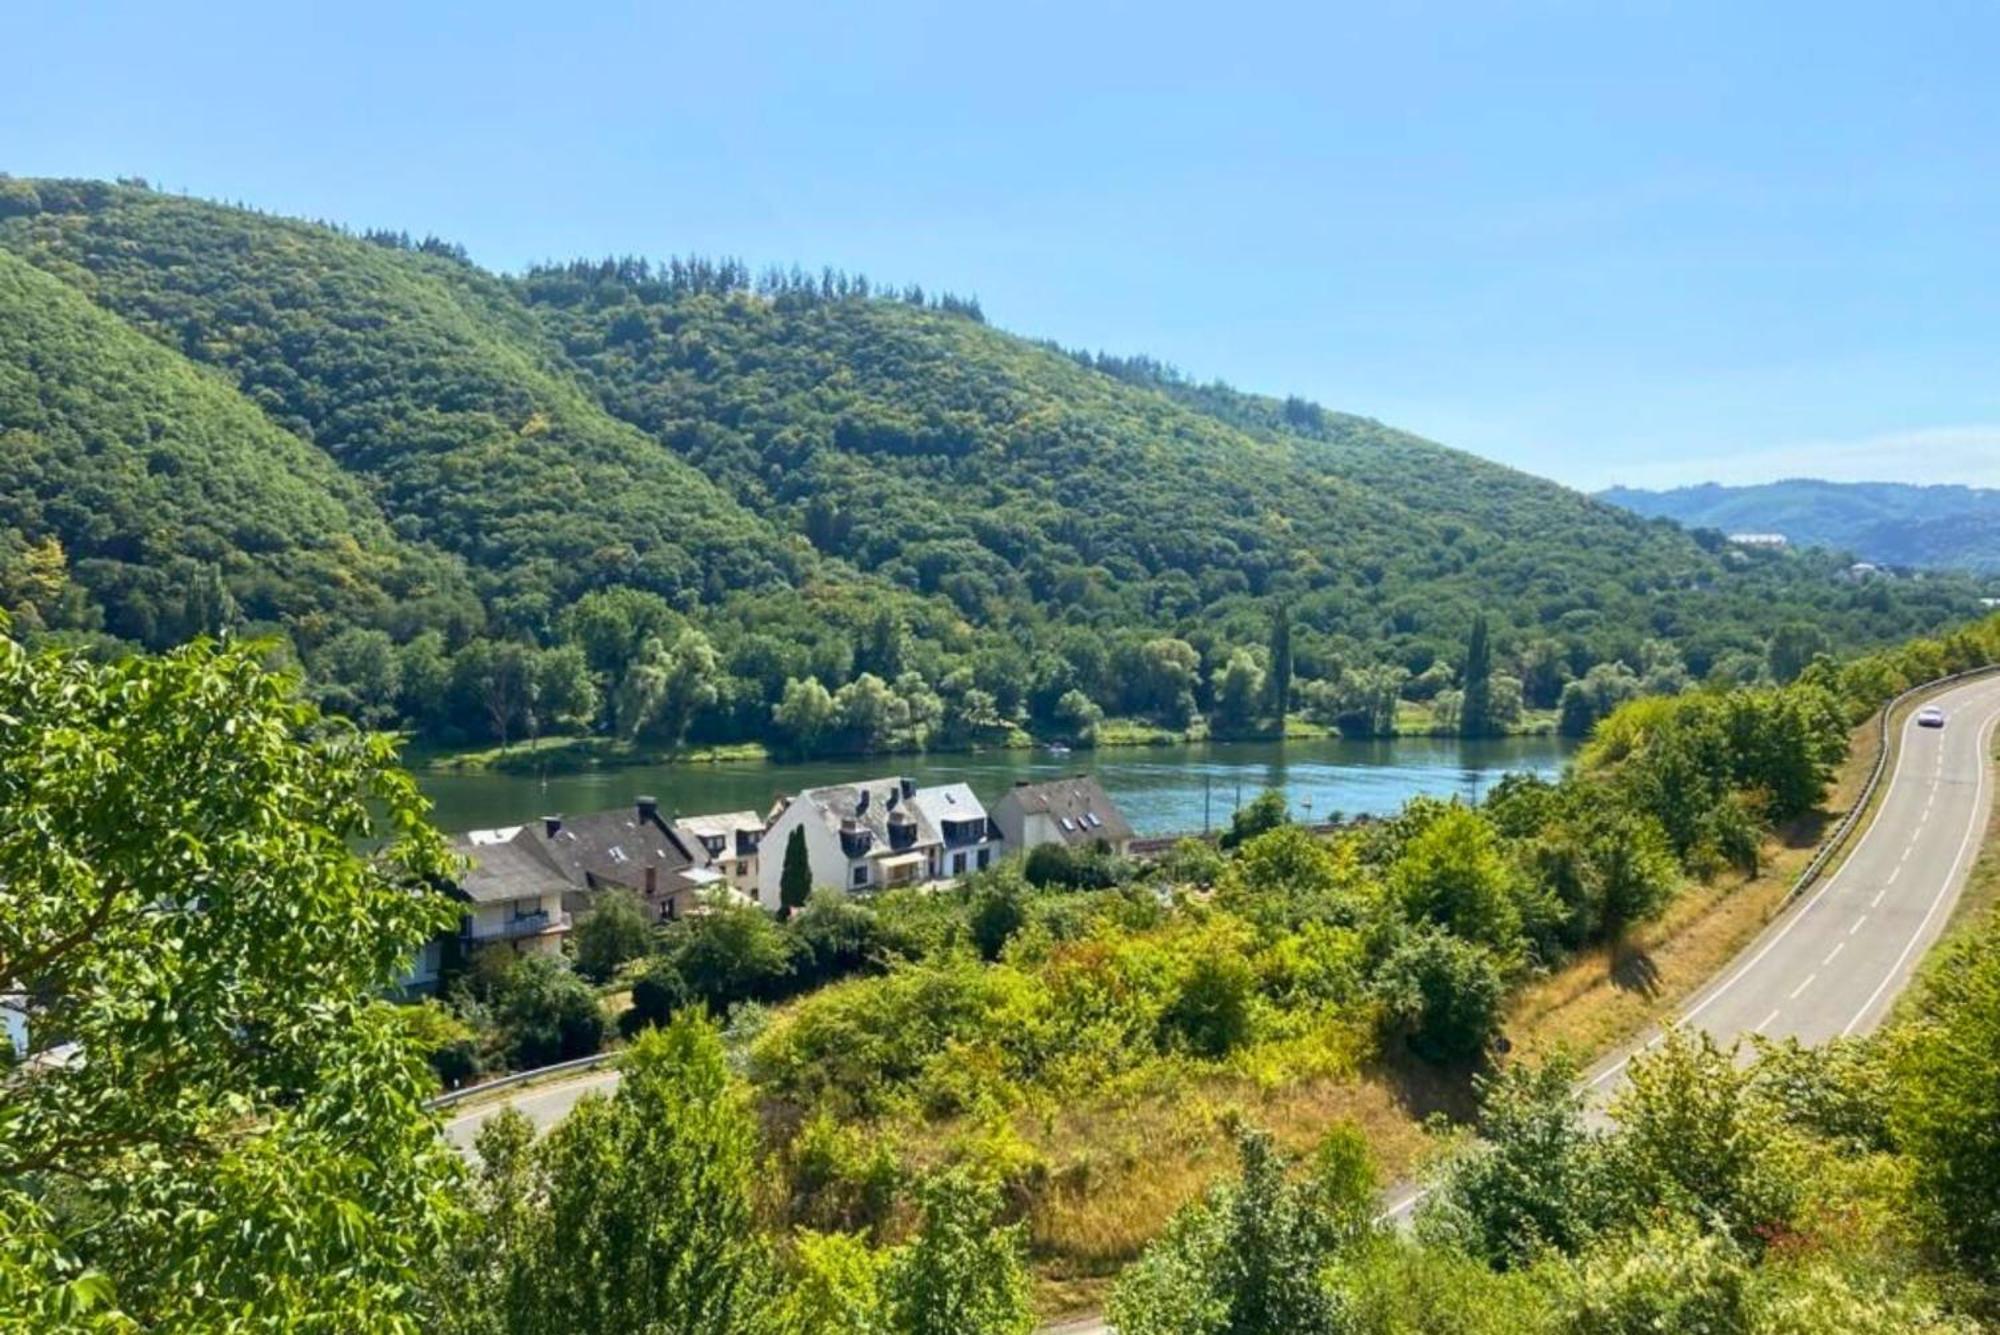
(1889, 523)
(679, 500)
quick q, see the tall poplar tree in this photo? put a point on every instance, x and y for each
(1279, 682)
(1475, 718)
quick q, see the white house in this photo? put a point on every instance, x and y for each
(877, 834)
(731, 839)
(1074, 811)
(971, 840)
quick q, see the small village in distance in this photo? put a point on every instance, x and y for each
(525, 886)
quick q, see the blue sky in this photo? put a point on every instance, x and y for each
(1648, 243)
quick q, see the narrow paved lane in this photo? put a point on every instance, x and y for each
(545, 1105)
(1830, 966)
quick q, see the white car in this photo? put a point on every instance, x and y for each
(1931, 717)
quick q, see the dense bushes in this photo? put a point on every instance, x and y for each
(1716, 1204)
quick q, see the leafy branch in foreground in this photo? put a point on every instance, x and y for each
(239, 1136)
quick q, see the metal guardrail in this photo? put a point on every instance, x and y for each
(449, 1097)
(1806, 878)
(1837, 841)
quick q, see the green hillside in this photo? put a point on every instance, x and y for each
(172, 502)
(1889, 523)
(419, 373)
(1020, 480)
(688, 504)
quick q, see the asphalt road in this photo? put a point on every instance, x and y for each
(1829, 966)
(1833, 963)
(545, 1105)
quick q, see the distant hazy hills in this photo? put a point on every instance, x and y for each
(1890, 523)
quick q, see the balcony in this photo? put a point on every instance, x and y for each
(525, 924)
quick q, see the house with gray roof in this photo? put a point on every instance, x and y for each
(1075, 811)
(970, 839)
(732, 840)
(524, 886)
(877, 834)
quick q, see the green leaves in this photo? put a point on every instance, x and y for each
(183, 896)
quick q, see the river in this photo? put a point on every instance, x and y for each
(1162, 789)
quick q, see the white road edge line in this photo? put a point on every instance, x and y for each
(1410, 1200)
(1980, 817)
(1796, 917)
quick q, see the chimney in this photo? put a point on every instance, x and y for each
(552, 826)
(649, 810)
(909, 787)
(861, 802)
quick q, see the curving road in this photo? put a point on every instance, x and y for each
(1830, 966)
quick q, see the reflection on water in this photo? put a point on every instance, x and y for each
(1163, 790)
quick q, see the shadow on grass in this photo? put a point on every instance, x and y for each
(1425, 1089)
(1633, 970)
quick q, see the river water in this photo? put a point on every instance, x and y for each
(1162, 789)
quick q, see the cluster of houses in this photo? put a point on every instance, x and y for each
(526, 885)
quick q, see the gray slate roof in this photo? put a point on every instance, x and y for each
(871, 803)
(1081, 802)
(499, 872)
(583, 853)
(950, 803)
(615, 847)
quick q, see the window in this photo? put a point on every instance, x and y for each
(985, 857)
(861, 875)
(958, 864)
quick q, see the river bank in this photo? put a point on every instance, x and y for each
(1166, 788)
(567, 754)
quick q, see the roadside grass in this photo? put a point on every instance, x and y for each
(1607, 996)
(1982, 888)
(1095, 1180)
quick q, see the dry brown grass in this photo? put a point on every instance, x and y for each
(1117, 1170)
(1982, 887)
(1603, 998)
(1114, 1170)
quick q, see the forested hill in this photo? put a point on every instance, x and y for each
(1890, 523)
(672, 500)
(168, 497)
